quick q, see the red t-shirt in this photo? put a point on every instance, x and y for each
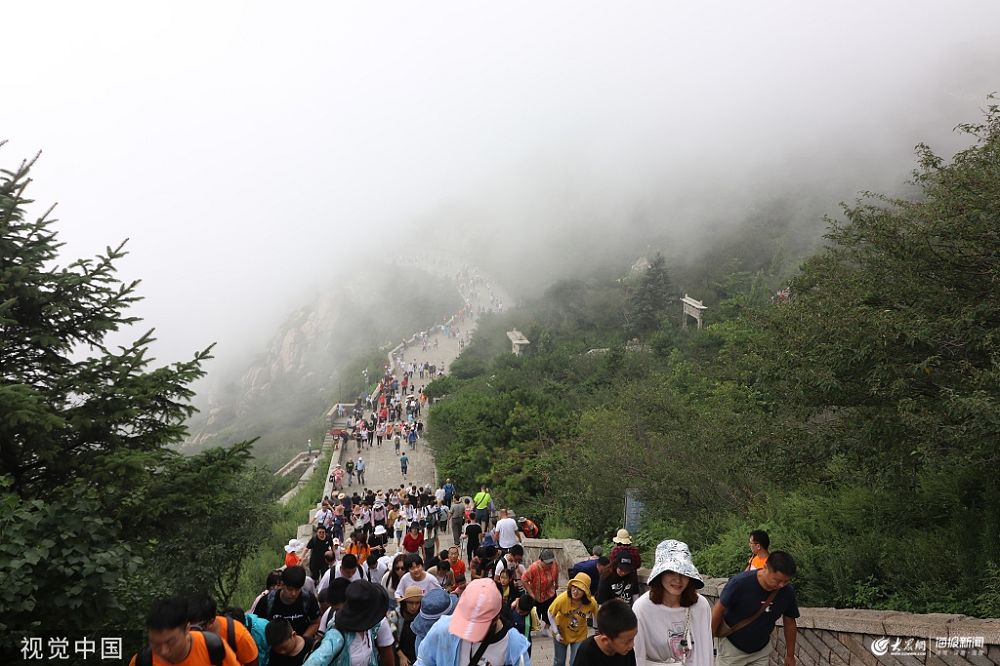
(412, 544)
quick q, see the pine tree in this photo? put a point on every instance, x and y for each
(89, 486)
(102, 419)
(652, 299)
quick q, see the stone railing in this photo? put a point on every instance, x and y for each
(847, 636)
(567, 551)
(839, 636)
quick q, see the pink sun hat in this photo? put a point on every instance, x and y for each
(478, 606)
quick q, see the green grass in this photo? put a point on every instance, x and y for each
(271, 554)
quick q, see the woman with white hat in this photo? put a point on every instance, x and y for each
(378, 540)
(675, 622)
(293, 552)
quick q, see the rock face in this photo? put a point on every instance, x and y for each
(301, 369)
(298, 351)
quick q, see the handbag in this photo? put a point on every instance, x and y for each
(725, 630)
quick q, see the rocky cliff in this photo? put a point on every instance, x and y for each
(302, 368)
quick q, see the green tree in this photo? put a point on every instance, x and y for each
(652, 299)
(883, 373)
(91, 488)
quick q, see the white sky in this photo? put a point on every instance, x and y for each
(242, 145)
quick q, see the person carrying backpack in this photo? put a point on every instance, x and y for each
(172, 641)
(287, 647)
(257, 628)
(479, 631)
(290, 602)
(360, 634)
(203, 614)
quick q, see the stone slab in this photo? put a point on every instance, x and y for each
(810, 642)
(922, 626)
(859, 647)
(836, 647)
(848, 620)
(970, 626)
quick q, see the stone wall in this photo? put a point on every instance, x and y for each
(847, 636)
(567, 551)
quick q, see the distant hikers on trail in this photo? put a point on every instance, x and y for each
(377, 582)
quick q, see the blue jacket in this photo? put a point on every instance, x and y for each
(337, 644)
(441, 647)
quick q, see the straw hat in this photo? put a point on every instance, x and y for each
(623, 537)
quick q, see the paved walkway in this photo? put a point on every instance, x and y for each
(382, 463)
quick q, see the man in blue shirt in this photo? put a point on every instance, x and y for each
(749, 607)
(594, 567)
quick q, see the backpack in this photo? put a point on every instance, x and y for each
(216, 649)
(257, 626)
(310, 604)
(335, 648)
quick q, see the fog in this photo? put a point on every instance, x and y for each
(249, 149)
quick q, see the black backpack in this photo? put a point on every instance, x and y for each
(309, 605)
(216, 650)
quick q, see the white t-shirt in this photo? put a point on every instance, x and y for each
(439, 494)
(495, 654)
(361, 644)
(506, 532)
(427, 584)
(513, 568)
(661, 629)
(324, 581)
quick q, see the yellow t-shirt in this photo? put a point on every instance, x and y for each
(482, 500)
(571, 620)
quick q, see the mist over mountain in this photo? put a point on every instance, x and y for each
(315, 358)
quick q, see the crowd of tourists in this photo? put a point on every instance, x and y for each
(429, 607)
(379, 583)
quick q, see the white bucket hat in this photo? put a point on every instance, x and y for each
(293, 545)
(379, 530)
(673, 555)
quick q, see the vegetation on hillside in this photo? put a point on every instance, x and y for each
(93, 497)
(856, 422)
